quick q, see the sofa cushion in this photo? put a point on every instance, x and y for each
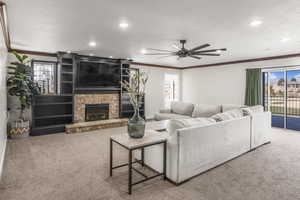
(182, 108)
(205, 110)
(176, 124)
(165, 116)
(228, 115)
(252, 109)
(165, 110)
(226, 107)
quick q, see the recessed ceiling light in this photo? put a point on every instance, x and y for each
(256, 23)
(92, 44)
(91, 54)
(124, 25)
(285, 39)
(218, 51)
(110, 57)
(68, 51)
(143, 51)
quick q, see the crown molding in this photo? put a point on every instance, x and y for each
(244, 61)
(156, 65)
(36, 53)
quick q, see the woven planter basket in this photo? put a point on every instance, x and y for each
(19, 129)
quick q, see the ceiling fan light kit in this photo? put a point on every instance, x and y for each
(183, 52)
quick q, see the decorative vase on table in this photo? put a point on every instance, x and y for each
(136, 125)
(136, 91)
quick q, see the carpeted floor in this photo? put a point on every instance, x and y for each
(75, 167)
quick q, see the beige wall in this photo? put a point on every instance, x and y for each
(223, 84)
(3, 100)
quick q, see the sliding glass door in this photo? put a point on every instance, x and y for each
(282, 96)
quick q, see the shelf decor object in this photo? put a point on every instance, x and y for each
(135, 87)
(21, 85)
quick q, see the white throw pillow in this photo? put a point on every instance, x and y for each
(253, 109)
(182, 108)
(226, 107)
(206, 110)
(175, 124)
(228, 115)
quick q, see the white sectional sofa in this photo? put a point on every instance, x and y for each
(196, 145)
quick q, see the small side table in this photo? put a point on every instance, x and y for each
(151, 138)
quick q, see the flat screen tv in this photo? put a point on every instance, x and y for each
(98, 75)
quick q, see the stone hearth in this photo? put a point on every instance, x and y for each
(95, 125)
(80, 100)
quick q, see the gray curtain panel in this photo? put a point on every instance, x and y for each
(253, 87)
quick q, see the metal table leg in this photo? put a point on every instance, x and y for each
(129, 171)
(111, 157)
(165, 160)
(142, 157)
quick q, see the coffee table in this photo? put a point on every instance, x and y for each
(151, 138)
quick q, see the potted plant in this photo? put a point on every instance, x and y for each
(136, 90)
(21, 85)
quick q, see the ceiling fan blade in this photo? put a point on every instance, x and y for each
(159, 50)
(176, 47)
(195, 57)
(154, 54)
(165, 56)
(208, 54)
(211, 50)
(200, 47)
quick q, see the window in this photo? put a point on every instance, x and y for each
(171, 89)
(44, 74)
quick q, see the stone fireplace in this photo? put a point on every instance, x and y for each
(91, 107)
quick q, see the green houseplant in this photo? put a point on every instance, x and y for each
(20, 84)
(136, 90)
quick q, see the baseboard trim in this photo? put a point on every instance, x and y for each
(2, 158)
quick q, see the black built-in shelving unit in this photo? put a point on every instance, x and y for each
(66, 68)
(50, 113)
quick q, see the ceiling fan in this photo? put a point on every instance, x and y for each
(183, 52)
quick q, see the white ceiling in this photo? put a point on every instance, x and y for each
(62, 25)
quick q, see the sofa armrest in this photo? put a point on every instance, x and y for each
(165, 110)
(260, 128)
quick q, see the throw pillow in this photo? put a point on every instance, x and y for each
(175, 124)
(227, 107)
(206, 110)
(182, 108)
(228, 115)
(253, 109)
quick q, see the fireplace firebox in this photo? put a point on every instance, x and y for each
(94, 112)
